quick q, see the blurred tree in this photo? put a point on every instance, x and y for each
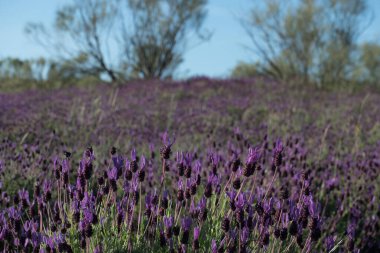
(14, 68)
(370, 59)
(307, 41)
(156, 42)
(244, 69)
(345, 21)
(149, 36)
(81, 36)
(18, 74)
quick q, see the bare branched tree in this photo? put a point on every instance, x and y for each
(310, 40)
(81, 36)
(155, 44)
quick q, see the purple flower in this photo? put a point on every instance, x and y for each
(86, 201)
(98, 249)
(120, 214)
(215, 159)
(351, 230)
(278, 146)
(285, 219)
(27, 225)
(314, 208)
(293, 210)
(133, 154)
(47, 186)
(82, 225)
(165, 150)
(186, 223)
(49, 241)
(134, 184)
(65, 166)
(213, 179)
(36, 240)
(192, 210)
(196, 233)
(240, 201)
(166, 140)
(24, 195)
(112, 174)
(268, 205)
(3, 232)
(253, 156)
(31, 226)
(168, 221)
(126, 186)
(188, 159)
(180, 184)
(244, 235)
(179, 157)
(142, 162)
(214, 246)
(202, 203)
(197, 167)
(89, 153)
(231, 194)
(81, 167)
(75, 205)
(118, 163)
(329, 242)
(277, 154)
(14, 213)
(88, 216)
(332, 183)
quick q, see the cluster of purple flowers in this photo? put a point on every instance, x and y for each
(211, 191)
(243, 199)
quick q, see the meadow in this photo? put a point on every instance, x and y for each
(201, 165)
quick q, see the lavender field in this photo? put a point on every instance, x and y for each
(203, 165)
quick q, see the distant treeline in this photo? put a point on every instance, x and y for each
(313, 42)
(16, 74)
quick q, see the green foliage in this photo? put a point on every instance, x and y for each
(310, 41)
(40, 73)
(244, 69)
(370, 60)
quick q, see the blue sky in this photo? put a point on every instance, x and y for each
(216, 57)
